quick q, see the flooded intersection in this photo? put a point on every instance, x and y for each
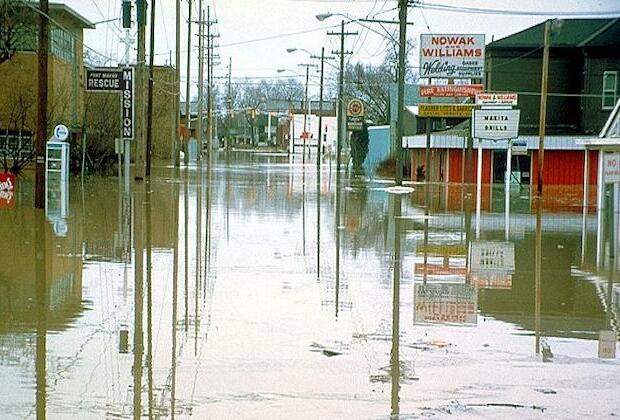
(257, 298)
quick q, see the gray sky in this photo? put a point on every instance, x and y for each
(241, 23)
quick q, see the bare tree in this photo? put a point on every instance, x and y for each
(12, 27)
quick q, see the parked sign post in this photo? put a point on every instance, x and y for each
(451, 56)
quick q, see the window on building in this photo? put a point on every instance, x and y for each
(62, 44)
(610, 88)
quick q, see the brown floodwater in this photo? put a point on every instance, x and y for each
(253, 287)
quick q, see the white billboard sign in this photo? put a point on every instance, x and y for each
(611, 168)
(483, 98)
(491, 256)
(496, 124)
(452, 56)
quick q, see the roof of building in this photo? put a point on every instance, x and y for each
(565, 33)
(81, 21)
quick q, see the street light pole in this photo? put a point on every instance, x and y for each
(39, 146)
(319, 152)
(305, 134)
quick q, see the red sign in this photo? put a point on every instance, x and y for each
(439, 270)
(7, 190)
(450, 91)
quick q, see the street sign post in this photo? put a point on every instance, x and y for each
(355, 115)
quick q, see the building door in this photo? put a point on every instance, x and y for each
(520, 168)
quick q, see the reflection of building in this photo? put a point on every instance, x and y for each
(18, 280)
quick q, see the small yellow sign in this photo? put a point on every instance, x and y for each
(445, 110)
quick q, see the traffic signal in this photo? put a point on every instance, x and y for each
(126, 14)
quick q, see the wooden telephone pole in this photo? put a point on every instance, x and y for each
(543, 106)
(39, 148)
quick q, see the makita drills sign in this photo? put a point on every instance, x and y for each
(452, 56)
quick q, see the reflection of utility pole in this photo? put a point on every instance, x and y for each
(149, 121)
(138, 344)
(39, 147)
(543, 106)
(188, 81)
(395, 352)
(229, 104)
(42, 315)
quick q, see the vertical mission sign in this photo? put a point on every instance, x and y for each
(116, 80)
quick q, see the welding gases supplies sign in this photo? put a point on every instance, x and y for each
(452, 56)
(496, 124)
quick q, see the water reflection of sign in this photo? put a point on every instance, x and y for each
(7, 190)
(491, 280)
(445, 111)
(611, 167)
(607, 344)
(441, 250)
(492, 257)
(496, 124)
(445, 302)
(450, 91)
(446, 56)
(439, 270)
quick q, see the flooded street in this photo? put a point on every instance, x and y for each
(256, 298)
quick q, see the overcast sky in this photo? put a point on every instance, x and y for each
(243, 26)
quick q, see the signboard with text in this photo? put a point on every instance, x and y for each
(450, 91)
(445, 111)
(519, 147)
(445, 303)
(355, 115)
(495, 124)
(116, 80)
(451, 56)
(611, 168)
(492, 256)
(510, 99)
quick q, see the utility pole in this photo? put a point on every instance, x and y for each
(200, 80)
(39, 148)
(543, 106)
(341, 132)
(177, 86)
(140, 92)
(402, 47)
(320, 137)
(305, 133)
(210, 47)
(229, 100)
(149, 115)
(188, 82)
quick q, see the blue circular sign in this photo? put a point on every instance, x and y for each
(61, 132)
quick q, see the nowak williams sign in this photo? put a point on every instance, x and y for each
(451, 56)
